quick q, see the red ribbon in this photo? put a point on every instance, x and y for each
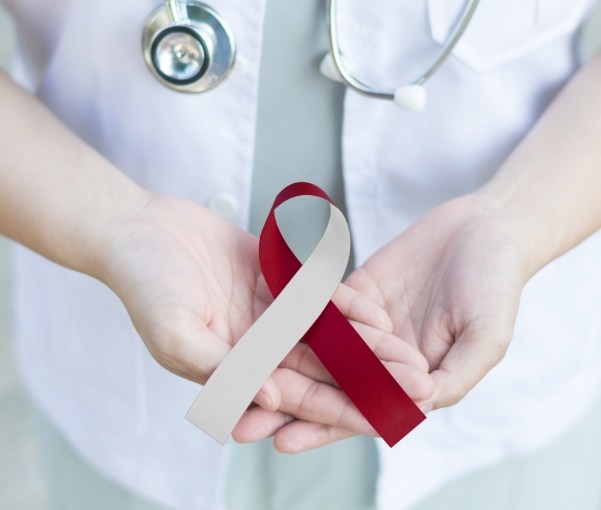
(350, 361)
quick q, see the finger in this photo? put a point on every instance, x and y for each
(268, 397)
(418, 385)
(349, 301)
(411, 375)
(307, 399)
(195, 352)
(303, 360)
(469, 359)
(293, 436)
(389, 347)
(257, 424)
(360, 308)
(300, 436)
(263, 297)
(385, 346)
(362, 282)
(190, 352)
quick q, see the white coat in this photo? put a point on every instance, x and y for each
(78, 353)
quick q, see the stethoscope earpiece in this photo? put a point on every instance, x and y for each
(411, 97)
(328, 68)
(189, 47)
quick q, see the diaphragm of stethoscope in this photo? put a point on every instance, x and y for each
(188, 47)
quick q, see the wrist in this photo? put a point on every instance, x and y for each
(120, 207)
(527, 218)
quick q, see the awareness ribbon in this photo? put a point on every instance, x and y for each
(302, 308)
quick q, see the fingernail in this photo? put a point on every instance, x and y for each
(425, 407)
(264, 400)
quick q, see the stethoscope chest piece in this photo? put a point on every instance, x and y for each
(188, 47)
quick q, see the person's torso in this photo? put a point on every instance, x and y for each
(84, 61)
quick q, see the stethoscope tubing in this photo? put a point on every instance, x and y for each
(201, 25)
(363, 88)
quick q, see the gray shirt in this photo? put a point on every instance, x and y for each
(298, 138)
(299, 121)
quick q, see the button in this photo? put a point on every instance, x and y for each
(223, 204)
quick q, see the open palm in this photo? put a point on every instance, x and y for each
(451, 285)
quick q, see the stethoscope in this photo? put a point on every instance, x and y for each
(189, 47)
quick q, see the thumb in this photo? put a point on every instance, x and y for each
(480, 347)
(195, 352)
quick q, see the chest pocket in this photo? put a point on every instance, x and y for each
(504, 30)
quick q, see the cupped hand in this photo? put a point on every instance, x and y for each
(314, 411)
(189, 280)
(192, 285)
(451, 285)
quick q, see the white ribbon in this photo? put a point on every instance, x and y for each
(239, 377)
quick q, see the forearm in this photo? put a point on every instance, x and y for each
(57, 195)
(551, 183)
